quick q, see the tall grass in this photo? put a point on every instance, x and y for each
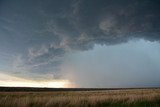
(109, 98)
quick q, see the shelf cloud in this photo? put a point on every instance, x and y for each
(36, 36)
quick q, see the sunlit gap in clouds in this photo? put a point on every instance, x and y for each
(11, 81)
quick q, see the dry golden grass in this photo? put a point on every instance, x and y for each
(109, 98)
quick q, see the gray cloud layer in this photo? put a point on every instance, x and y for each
(39, 33)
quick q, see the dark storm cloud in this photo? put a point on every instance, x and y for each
(39, 33)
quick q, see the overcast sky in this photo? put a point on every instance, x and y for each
(91, 43)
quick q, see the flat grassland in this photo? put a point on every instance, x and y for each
(93, 98)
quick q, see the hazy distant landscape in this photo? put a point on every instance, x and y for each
(79, 97)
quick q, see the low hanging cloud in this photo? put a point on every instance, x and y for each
(40, 33)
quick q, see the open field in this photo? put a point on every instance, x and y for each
(92, 98)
